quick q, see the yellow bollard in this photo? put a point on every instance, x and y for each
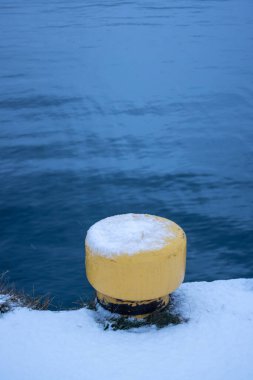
(134, 261)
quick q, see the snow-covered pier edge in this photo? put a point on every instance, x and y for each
(215, 343)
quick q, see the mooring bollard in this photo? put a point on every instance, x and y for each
(134, 261)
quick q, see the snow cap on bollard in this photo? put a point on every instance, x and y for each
(134, 261)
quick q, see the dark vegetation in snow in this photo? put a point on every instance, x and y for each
(15, 298)
(170, 315)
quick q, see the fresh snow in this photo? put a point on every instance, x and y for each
(215, 344)
(128, 234)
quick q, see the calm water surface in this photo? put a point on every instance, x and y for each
(110, 107)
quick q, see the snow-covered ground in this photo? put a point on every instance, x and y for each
(215, 343)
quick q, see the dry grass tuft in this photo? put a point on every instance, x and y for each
(15, 298)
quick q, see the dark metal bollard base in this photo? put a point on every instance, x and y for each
(132, 308)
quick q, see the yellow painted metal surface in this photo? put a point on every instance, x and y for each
(143, 276)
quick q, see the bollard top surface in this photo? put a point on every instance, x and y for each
(129, 234)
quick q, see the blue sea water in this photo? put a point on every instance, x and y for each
(110, 107)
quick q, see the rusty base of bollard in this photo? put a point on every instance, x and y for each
(132, 308)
